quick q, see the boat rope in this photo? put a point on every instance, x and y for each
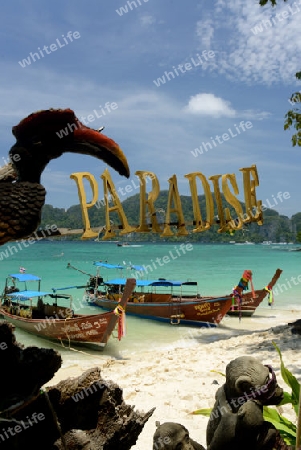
(237, 293)
(271, 296)
(55, 419)
(75, 349)
(13, 409)
(71, 348)
(120, 312)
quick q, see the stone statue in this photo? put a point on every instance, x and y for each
(236, 420)
(173, 436)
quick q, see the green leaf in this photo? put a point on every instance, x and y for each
(289, 379)
(204, 412)
(287, 399)
(264, 2)
(286, 428)
(220, 373)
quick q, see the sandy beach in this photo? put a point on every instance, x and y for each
(181, 378)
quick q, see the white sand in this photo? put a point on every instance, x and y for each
(180, 380)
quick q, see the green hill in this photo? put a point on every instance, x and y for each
(276, 228)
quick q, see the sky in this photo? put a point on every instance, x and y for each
(182, 87)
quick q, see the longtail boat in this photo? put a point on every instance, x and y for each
(162, 300)
(38, 313)
(176, 308)
(245, 304)
(162, 306)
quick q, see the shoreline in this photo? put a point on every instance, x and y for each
(183, 378)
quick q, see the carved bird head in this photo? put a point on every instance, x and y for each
(46, 135)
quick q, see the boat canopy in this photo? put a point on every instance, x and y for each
(26, 295)
(135, 267)
(118, 266)
(122, 281)
(25, 277)
(108, 266)
(173, 283)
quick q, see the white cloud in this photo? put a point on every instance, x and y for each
(263, 45)
(209, 105)
(205, 31)
(147, 20)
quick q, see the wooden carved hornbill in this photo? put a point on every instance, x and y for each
(41, 137)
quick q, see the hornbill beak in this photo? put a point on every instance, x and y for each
(47, 134)
(91, 142)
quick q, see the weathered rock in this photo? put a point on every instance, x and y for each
(92, 404)
(81, 413)
(24, 370)
(25, 418)
(296, 327)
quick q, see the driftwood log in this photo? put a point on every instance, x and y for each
(80, 413)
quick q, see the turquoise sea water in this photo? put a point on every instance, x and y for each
(216, 268)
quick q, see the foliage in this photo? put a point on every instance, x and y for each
(202, 412)
(291, 381)
(264, 2)
(286, 428)
(293, 119)
(293, 116)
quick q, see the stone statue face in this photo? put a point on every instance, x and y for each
(237, 416)
(171, 436)
(247, 378)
